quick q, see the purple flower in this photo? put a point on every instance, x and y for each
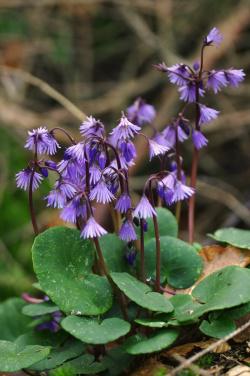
(91, 126)
(127, 231)
(199, 140)
(144, 209)
(42, 141)
(125, 130)
(178, 74)
(95, 174)
(169, 181)
(214, 37)
(207, 114)
(127, 150)
(216, 80)
(188, 92)
(234, 76)
(130, 257)
(92, 229)
(101, 193)
(123, 203)
(56, 199)
(78, 151)
(181, 191)
(102, 159)
(169, 197)
(23, 179)
(141, 112)
(73, 210)
(51, 164)
(169, 134)
(52, 325)
(44, 172)
(156, 149)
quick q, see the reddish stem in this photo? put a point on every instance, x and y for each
(142, 258)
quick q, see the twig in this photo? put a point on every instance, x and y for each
(187, 362)
(46, 88)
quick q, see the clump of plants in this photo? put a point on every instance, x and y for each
(101, 302)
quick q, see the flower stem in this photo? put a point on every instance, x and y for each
(191, 209)
(157, 244)
(142, 258)
(105, 272)
(31, 204)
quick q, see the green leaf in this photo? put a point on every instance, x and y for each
(167, 224)
(63, 263)
(225, 288)
(92, 331)
(184, 308)
(42, 338)
(233, 236)
(151, 323)
(14, 357)
(113, 249)
(141, 345)
(85, 365)
(39, 309)
(218, 328)
(181, 265)
(12, 322)
(69, 350)
(141, 294)
(117, 361)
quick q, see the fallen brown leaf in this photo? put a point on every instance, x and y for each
(150, 367)
(184, 350)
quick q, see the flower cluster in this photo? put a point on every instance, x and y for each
(95, 169)
(193, 83)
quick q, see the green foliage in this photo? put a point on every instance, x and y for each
(139, 344)
(94, 331)
(64, 271)
(39, 309)
(233, 236)
(58, 355)
(151, 323)
(14, 357)
(180, 263)
(85, 365)
(113, 249)
(167, 224)
(12, 322)
(140, 293)
(218, 328)
(214, 293)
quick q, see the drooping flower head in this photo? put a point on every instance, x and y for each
(92, 229)
(124, 130)
(41, 141)
(91, 127)
(127, 231)
(199, 140)
(140, 112)
(101, 193)
(123, 203)
(144, 209)
(23, 179)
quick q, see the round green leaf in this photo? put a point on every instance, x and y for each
(85, 365)
(12, 322)
(225, 288)
(181, 265)
(141, 294)
(233, 236)
(69, 350)
(218, 328)
(141, 345)
(167, 224)
(113, 250)
(39, 309)
(14, 357)
(62, 262)
(94, 332)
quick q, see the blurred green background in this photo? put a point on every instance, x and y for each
(99, 55)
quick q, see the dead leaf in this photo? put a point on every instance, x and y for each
(150, 367)
(239, 371)
(184, 350)
(245, 335)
